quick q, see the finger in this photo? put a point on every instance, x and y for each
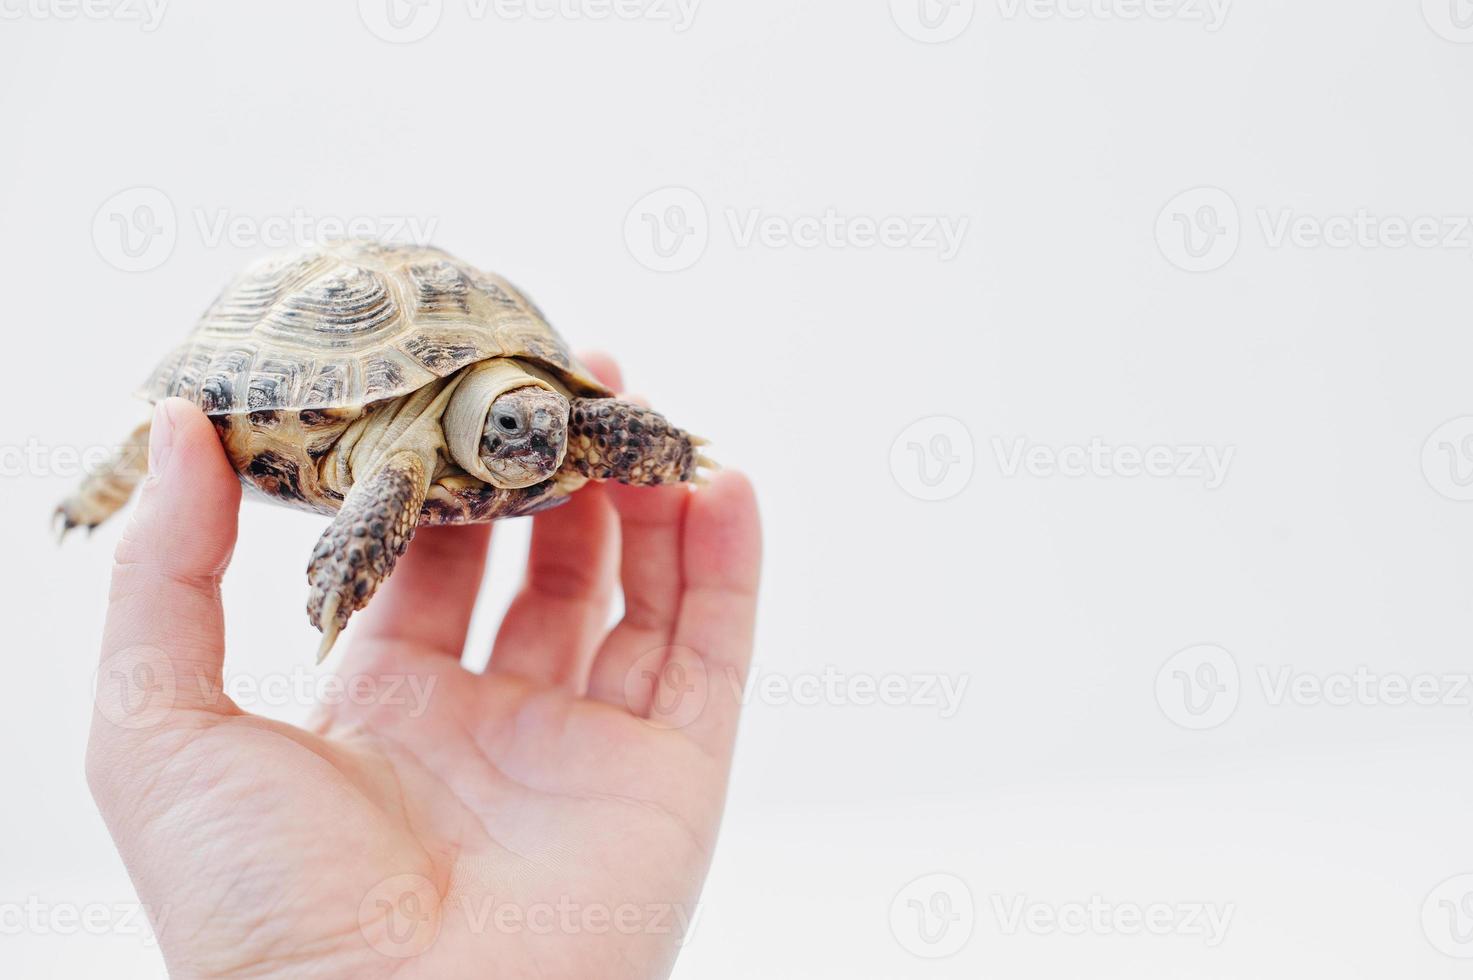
(721, 558)
(650, 522)
(553, 625)
(429, 600)
(164, 641)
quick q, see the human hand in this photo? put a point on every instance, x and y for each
(553, 817)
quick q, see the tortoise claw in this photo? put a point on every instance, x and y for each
(62, 524)
(330, 629)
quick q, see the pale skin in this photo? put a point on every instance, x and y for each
(553, 817)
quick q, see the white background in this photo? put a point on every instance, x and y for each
(1068, 315)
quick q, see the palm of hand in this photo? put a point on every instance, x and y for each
(552, 817)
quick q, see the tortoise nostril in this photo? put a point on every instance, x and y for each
(539, 440)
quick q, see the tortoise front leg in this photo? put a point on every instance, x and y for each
(361, 546)
(609, 439)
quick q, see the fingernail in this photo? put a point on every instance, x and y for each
(160, 439)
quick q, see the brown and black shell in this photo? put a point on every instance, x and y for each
(352, 323)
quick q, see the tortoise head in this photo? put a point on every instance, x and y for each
(525, 436)
(506, 424)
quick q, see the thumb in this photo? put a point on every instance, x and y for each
(164, 642)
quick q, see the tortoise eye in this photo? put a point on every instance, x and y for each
(507, 422)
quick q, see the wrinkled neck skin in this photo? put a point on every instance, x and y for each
(408, 422)
(443, 422)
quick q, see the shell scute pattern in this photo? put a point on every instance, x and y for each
(352, 323)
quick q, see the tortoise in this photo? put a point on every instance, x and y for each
(391, 386)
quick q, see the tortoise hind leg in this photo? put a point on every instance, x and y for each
(107, 488)
(360, 548)
(609, 439)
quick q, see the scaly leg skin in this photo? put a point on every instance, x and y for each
(610, 439)
(106, 489)
(362, 545)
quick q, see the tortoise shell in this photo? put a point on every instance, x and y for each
(348, 324)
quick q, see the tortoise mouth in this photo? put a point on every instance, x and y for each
(523, 462)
